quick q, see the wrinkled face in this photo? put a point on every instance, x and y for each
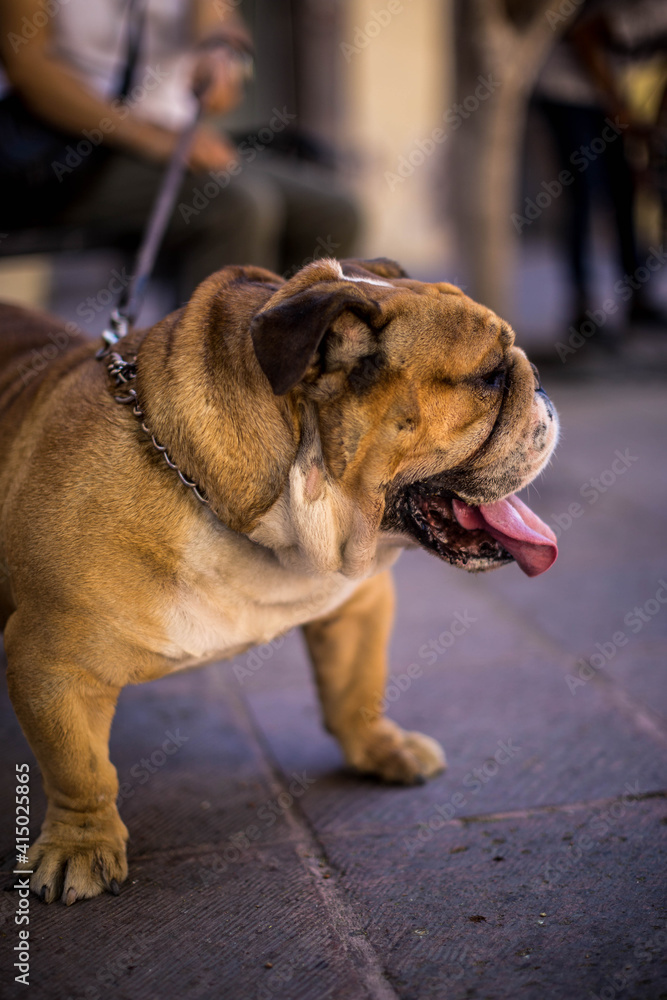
(428, 415)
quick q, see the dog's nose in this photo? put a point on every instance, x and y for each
(540, 391)
(548, 405)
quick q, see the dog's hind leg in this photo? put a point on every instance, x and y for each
(66, 715)
(349, 652)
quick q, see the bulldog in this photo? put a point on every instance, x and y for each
(254, 462)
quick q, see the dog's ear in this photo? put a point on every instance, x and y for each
(382, 266)
(285, 336)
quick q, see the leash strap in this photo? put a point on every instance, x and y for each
(123, 316)
(132, 296)
(129, 304)
(136, 21)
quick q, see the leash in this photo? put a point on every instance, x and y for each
(122, 318)
(125, 314)
(123, 371)
(129, 304)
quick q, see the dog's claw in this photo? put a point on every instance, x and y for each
(70, 871)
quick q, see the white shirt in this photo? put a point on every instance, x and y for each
(91, 35)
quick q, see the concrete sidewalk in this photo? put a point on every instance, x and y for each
(533, 868)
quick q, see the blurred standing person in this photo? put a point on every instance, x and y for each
(580, 93)
(658, 161)
(66, 70)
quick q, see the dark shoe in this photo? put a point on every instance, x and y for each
(644, 314)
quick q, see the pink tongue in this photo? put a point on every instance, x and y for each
(516, 527)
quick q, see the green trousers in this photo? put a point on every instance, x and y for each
(274, 213)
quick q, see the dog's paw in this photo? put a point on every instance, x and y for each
(70, 863)
(400, 757)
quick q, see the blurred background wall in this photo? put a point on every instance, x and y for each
(372, 80)
(425, 107)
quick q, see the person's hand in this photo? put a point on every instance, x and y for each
(219, 76)
(150, 141)
(211, 151)
(637, 127)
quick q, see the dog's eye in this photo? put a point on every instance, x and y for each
(495, 379)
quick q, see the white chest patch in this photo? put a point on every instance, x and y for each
(234, 594)
(306, 557)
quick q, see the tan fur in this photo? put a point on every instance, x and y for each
(116, 574)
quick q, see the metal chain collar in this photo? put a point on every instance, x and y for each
(124, 372)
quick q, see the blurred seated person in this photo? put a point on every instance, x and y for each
(107, 154)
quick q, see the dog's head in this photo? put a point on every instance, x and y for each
(424, 414)
(351, 411)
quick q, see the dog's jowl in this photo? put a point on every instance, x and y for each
(314, 428)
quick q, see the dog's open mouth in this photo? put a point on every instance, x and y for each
(477, 538)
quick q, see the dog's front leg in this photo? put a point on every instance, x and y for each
(349, 652)
(66, 716)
